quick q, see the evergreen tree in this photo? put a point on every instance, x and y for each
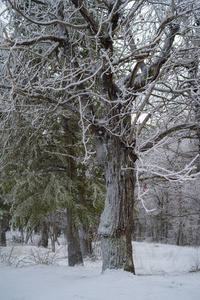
(42, 176)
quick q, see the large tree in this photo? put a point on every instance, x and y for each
(115, 64)
(44, 182)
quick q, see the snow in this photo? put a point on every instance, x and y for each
(163, 273)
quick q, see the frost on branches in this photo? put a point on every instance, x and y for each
(126, 69)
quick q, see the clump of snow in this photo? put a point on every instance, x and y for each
(163, 272)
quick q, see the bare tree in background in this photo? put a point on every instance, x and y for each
(118, 65)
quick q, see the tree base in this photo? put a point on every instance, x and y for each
(117, 253)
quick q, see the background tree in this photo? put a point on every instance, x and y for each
(181, 214)
(173, 207)
(4, 222)
(44, 181)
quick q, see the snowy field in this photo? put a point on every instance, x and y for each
(164, 272)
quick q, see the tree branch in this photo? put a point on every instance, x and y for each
(165, 133)
(52, 22)
(33, 41)
(88, 18)
(151, 73)
(38, 2)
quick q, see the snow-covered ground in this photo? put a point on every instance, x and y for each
(163, 273)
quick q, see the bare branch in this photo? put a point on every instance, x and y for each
(163, 134)
(86, 15)
(36, 40)
(52, 22)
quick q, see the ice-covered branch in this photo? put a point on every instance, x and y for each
(85, 129)
(52, 22)
(184, 174)
(30, 42)
(161, 135)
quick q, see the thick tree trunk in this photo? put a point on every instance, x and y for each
(116, 223)
(3, 232)
(74, 248)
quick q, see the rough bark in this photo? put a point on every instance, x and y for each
(74, 248)
(116, 223)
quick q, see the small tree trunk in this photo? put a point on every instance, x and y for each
(116, 223)
(3, 232)
(197, 113)
(44, 238)
(21, 229)
(29, 235)
(85, 241)
(166, 218)
(74, 248)
(180, 237)
(53, 236)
